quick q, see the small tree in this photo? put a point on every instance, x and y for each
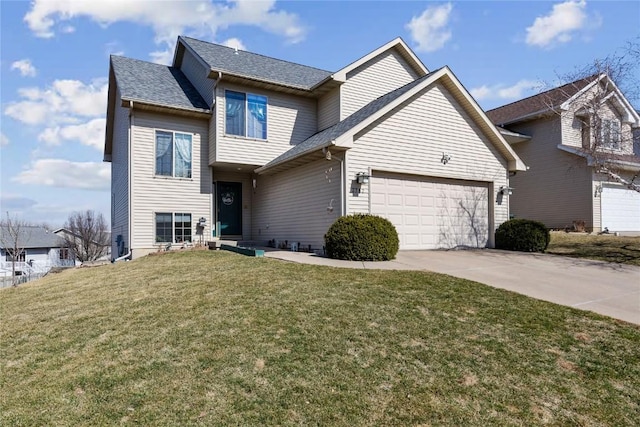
(86, 235)
(602, 137)
(14, 236)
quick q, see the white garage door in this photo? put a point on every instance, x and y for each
(432, 213)
(620, 209)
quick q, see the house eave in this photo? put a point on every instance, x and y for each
(141, 104)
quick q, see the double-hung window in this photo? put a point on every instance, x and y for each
(173, 227)
(610, 133)
(173, 154)
(246, 115)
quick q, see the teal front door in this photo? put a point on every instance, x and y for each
(230, 208)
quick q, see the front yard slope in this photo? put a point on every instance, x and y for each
(215, 338)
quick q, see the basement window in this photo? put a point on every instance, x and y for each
(173, 227)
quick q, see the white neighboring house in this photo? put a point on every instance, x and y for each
(69, 235)
(550, 132)
(231, 144)
(42, 250)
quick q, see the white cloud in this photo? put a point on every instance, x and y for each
(501, 91)
(25, 67)
(199, 18)
(559, 25)
(3, 140)
(430, 30)
(90, 133)
(234, 43)
(66, 174)
(65, 101)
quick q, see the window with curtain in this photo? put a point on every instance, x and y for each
(174, 154)
(246, 115)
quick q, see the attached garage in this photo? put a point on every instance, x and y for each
(620, 209)
(433, 213)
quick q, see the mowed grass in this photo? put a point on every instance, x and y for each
(214, 338)
(605, 247)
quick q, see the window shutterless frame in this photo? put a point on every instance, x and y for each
(173, 227)
(173, 154)
(246, 115)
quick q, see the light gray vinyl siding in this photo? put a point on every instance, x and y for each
(198, 76)
(247, 195)
(120, 177)
(380, 75)
(298, 205)
(557, 188)
(329, 109)
(290, 120)
(213, 136)
(412, 139)
(153, 193)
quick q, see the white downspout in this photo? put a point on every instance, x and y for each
(213, 211)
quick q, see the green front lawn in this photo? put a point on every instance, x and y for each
(214, 338)
(605, 247)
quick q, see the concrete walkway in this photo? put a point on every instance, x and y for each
(605, 288)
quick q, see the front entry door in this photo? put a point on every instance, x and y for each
(230, 208)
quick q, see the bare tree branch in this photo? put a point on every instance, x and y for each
(86, 235)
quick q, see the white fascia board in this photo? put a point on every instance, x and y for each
(565, 105)
(313, 149)
(342, 74)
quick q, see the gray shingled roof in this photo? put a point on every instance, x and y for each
(32, 237)
(537, 103)
(321, 138)
(155, 84)
(255, 66)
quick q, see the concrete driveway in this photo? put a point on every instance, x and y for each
(605, 288)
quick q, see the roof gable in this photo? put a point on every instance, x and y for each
(341, 134)
(397, 44)
(253, 66)
(537, 104)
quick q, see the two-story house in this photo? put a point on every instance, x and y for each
(231, 144)
(578, 141)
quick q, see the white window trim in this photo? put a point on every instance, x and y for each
(246, 112)
(173, 165)
(173, 228)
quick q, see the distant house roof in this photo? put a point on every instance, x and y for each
(539, 103)
(320, 139)
(254, 66)
(146, 82)
(32, 237)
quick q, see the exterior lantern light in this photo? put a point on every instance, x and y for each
(362, 178)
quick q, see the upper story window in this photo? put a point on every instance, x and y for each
(246, 114)
(610, 133)
(173, 154)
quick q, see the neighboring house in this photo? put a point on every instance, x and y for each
(41, 250)
(70, 236)
(241, 146)
(551, 132)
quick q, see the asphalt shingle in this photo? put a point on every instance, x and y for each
(156, 84)
(537, 103)
(254, 66)
(31, 237)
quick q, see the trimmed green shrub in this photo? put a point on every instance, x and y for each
(523, 235)
(362, 238)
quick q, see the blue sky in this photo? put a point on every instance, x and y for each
(55, 57)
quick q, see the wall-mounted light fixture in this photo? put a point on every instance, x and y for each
(362, 178)
(445, 158)
(598, 191)
(505, 190)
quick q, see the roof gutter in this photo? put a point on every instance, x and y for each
(268, 166)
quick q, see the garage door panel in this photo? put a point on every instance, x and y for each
(620, 209)
(431, 213)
